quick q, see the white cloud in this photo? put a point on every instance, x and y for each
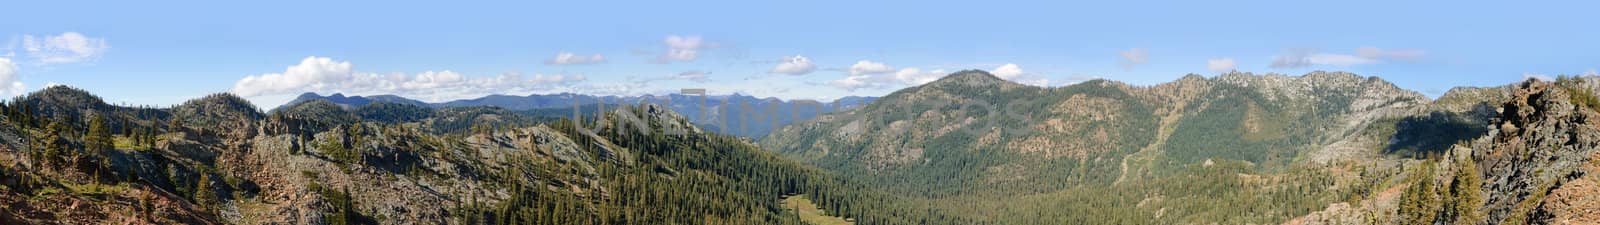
(914, 76)
(617, 89)
(1133, 57)
(9, 82)
(1014, 73)
(1338, 59)
(1400, 54)
(878, 79)
(313, 73)
(1364, 56)
(1305, 57)
(1007, 71)
(797, 65)
(8, 70)
(697, 76)
(865, 67)
(547, 79)
(69, 47)
(683, 48)
(692, 75)
(1292, 59)
(1221, 65)
(855, 82)
(320, 74)
(1034, 81)
(568, 58)
(1591, 72)
(867, 74)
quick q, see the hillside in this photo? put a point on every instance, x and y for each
(219, 160)
(1535, 166)
(1234, 148)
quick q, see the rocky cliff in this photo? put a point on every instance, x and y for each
(1536, 165)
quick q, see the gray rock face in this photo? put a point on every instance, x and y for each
(396, 184)
(1537, 163)
(1540, 141)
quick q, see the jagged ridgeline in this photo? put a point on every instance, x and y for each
(1232, 149)
(68, 157)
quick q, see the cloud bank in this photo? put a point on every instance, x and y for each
(1133, 57)
(1221, 65)
(683, 48)
(9, 82)
(568, 58)
(1299, 58)
(795, 65)
(321, 74)
(69, 47)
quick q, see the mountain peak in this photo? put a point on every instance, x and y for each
(969, 77)
(966, 78)
(224, 99)
(319, 110)
(61, 101)
(62, 94)
(66, 93)
(308, 95)
(219, 110)
(1192, 77)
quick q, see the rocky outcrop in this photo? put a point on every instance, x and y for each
(1537, 162)
(1540, 142)
(223, 162)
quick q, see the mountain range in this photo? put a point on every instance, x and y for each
(70, 158)
(1236, 148)
(969, 148)
(736, 114)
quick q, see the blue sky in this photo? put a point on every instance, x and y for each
(162, 52)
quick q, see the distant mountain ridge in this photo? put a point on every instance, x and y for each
(350, 101)
(736, 114)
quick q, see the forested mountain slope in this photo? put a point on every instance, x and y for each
(1234, 148)
(68, 158)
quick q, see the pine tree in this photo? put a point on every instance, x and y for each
(54, 147)
(1419, 204)
(203, 195)
(1468, 197)
(173, 124)
(98, 140)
